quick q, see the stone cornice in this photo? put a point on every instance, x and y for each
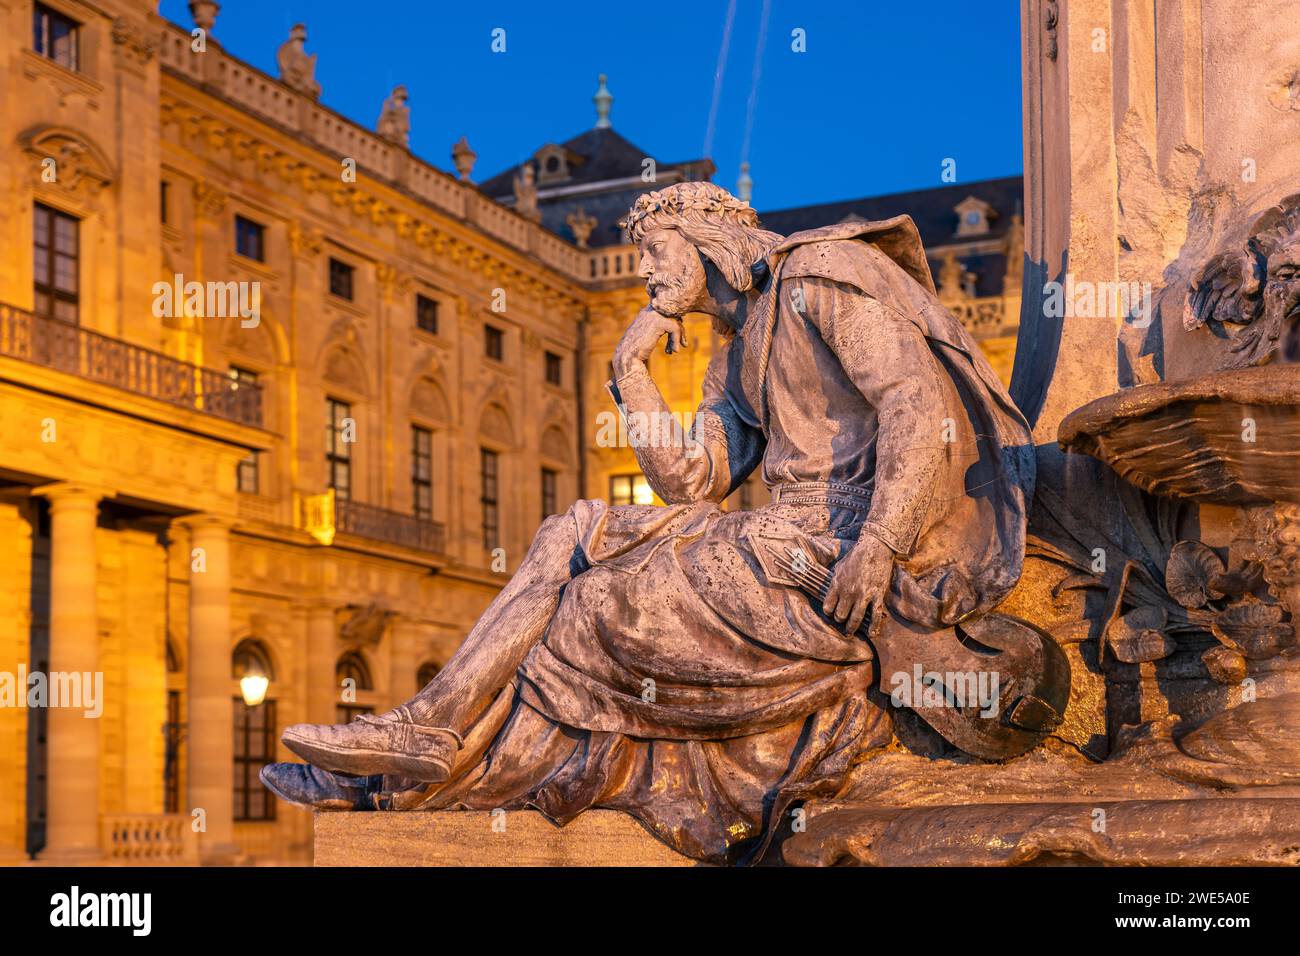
(452, 241)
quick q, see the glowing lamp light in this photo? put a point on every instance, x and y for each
(253, 687)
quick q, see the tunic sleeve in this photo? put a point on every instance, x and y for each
(887, 358)
(705, 463)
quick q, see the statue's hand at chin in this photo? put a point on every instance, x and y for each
(643, 334)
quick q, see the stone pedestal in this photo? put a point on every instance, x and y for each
(469, 838)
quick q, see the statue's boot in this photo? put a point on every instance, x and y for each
(319, 789)
(390, 743)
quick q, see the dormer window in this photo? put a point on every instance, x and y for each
(552, 164)
(973, 216)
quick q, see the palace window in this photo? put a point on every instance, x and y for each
(351, 667)
(550, 481)
(246, 477)
(489, 464)
(55, 36)
(554, 369)
(338, 447)
(426, 314)
(341, 279)
(164, 188)
(56, 264)
(250, 239)
(255, 736)
(494, 342)
(630, 490)
(422, 471)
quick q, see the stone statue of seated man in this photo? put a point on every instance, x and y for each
(704, 669)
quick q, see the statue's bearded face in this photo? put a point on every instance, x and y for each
(674, 273)
(1282, 296)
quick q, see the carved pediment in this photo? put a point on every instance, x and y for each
(556, 446)
(63, 158)
(429, 401)
(494, 424)
(342, 367)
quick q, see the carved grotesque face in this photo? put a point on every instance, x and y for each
(674, 273)
(1247, 300)
(1282, 296)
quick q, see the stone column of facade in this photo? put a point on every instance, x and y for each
(322, 656)
(73, 767)
(211, 703)
(15, 650)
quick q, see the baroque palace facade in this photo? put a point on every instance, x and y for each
(282, 405)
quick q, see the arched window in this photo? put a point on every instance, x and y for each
(255, 733)
(251, 657)
(352, 677)
(427, 672)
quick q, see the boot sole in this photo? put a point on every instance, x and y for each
(425, 769)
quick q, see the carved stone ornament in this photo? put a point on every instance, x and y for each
(297, 66)
(63, 159)
(364, 627)
(395, 118)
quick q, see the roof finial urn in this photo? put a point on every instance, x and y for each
(463, 157)
(602, 99)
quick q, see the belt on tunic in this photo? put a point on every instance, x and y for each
(836, 493)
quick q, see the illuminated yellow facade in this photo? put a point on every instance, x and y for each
(318, 464)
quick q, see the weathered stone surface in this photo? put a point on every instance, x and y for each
(466, 838)
(1212, 832)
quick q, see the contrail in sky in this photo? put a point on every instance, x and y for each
(717, 78)
(753, 86)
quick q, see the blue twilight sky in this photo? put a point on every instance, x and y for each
(885, 92)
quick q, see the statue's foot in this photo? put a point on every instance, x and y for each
(319, 789)
(390, 743)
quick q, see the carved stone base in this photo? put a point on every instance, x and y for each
(467, 838)
(1209, 832)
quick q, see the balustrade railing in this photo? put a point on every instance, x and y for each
(150, 839)
(393, 527)
(132, 368)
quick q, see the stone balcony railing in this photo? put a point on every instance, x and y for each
(132, 368)
(150, 839)
(324, 516)
(984, 318)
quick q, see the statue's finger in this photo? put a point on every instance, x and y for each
(856, 616)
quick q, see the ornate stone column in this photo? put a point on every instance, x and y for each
(211, 703)
(72, 806)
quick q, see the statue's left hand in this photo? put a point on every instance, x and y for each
(859, 582)
(643, 334)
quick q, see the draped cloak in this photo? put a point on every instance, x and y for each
(674, 681)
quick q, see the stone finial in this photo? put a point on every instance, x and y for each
(204, 13)
(582, 226)
(744, 185)
(602, 99)
(395, 118)
(526, 193)
(463, 158)
(297, 66)
(952, 279)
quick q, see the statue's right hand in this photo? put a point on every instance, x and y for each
(642, 335)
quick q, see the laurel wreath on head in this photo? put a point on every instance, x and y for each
(681, 198)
